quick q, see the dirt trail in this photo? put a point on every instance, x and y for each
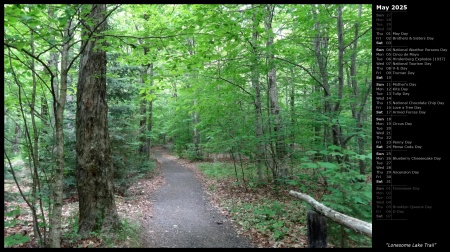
(182, 215)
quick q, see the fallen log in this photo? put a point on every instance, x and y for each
(354, 224)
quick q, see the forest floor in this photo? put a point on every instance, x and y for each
(175, 207)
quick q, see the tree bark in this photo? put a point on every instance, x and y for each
(292, 132)
(331, 109)
(357, 113)
(196, 134)
(257, 101)
(58, 182)
(16, 145)
(320, 51)
(143, 147)
(36, 187)
(280, 148)
(143, 118)
(338, 138)
(150, 116)
(97, 207)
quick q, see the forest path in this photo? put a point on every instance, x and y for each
(182, 214)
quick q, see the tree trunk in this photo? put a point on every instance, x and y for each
(280, 148)
(143, 118)
(196, 134)
(338, 138)
(150, 116)
(94, 164)
(143, 147)
(36, 187)
(58, 182)
(320, 51)
(257, 101)
(292, 131)
(196, 137)
(16, 146)
(357, 114)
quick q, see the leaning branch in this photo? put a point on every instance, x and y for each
(354, 224)
(353, 41)
(232, 83)
(304, 68)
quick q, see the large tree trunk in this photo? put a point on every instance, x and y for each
(94, 164)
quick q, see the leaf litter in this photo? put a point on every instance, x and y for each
(136, 206)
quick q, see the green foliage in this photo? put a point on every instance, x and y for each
(128, 235)
(69, 161)
(192, 153)
(130, 170)
(349, 194)
(346, 189)
(15, 239)
(71, 235)
(12, 213)
(217, 170)
(209, 76)
(123, 123)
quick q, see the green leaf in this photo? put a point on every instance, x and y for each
(26, 17)
(328, 165)
(13, 212)
(336, 154)
(311, 152)
(324, 152)
(334, 147)
(350, 152)
(310, 165)
(15, 239)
